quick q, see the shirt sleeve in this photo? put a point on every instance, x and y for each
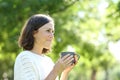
(25, 69)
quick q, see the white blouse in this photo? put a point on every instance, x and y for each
(31, 66)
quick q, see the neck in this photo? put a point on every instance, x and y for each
(37, 49)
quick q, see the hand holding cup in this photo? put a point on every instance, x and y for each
(75, 56)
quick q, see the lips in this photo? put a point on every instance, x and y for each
(50, 40)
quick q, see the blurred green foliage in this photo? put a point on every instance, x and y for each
(78, 23)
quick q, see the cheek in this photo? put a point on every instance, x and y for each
(42, 37)
(38, 38)
(45, 35)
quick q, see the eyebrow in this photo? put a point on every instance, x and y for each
(50, 28)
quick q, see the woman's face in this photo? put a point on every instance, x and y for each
(44, 35)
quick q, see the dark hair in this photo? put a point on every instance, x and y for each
(26, 39)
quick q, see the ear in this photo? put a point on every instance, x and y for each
(34, 33)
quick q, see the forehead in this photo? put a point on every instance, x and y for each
(49, 25)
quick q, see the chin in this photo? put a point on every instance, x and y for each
(48, 47)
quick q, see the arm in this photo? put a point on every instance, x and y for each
(60, 66)
(24, 69)
(52, 75)
(64, 75)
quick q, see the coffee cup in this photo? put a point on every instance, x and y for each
(75, 56)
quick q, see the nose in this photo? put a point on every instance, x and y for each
(51, 35)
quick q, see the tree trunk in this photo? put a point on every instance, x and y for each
(106, 74)
(93, 75)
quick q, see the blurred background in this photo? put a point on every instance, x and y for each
(91, 28)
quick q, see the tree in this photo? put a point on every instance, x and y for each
(13, 15)
(78, 24)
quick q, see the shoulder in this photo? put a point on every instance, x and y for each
(24, 56)
(24, 66)
(23, 53)
(24, 60)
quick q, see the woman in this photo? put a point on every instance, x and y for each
(32, 63)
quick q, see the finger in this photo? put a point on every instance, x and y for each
(68, 58)
(69, 61)
(70, 64)
(76, 57)
(64, 57)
